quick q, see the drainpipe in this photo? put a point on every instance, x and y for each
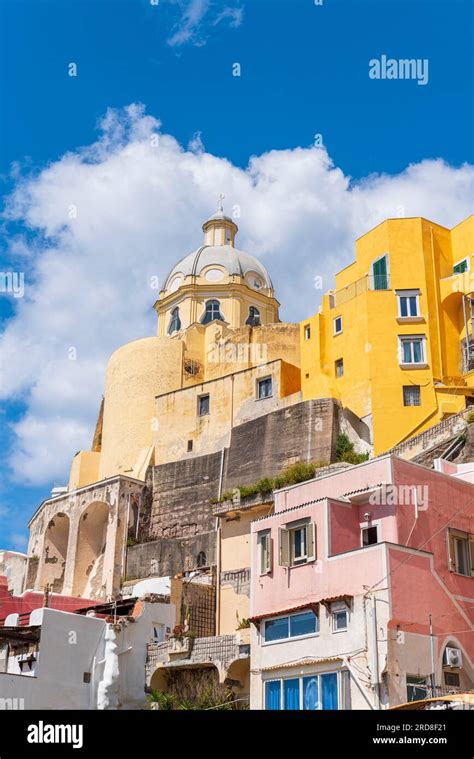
(433, 665)
(218, 546)
(375, 654)
(436, 289)
(349, 666)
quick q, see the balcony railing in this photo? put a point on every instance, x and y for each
(369, 282)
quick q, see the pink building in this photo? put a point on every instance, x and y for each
(346, 575)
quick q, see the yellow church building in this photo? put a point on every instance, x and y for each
(389, 342)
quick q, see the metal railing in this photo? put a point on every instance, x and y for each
(358, 287)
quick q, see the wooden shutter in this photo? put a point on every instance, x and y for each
(266, 548)
(284, 546)
(471, 552)
(451, 552)
(269, 553)
(311, 541)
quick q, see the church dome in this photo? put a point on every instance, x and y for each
(218, 258)
(235, 262)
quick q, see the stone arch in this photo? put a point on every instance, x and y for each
(90, 549)
(56, 539)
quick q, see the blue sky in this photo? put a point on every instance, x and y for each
(304, 70)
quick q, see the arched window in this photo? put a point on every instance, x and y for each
(175, 321)
(213, 311)
(201, 560)
(253, 319)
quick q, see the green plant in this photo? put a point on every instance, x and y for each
(470, 417)
(165, 701)
(186, 704)
(345, 451)
(244, 624)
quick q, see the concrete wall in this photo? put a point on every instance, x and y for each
(13, 567)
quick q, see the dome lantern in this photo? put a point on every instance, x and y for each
(219, 229)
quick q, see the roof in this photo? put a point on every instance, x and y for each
(307, 605)
(302, 662)
(236, 262)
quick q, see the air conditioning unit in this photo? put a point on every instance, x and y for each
(452, 657)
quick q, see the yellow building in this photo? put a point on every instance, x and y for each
(220, 348)
(389, 342)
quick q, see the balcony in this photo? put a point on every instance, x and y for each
(360, 286)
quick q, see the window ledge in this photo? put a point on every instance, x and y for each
(264, 399)
(410, 319)
(413, 366)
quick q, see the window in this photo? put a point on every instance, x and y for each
(297, 544)
(380, 274)
(175, 321)
(253, 319)
(339, 367)
(212, 312)
(411, 395)
(461, 266)
(228, 235)
(307, 332)
(265, 544)
(338, 325)
(408, 303)
(452, 679)
(158, 633)
(412, 350)
(369, 536)
(217, 236)
(203, 405)
(339, 620)
(417, 688)
(309, 693)
(461, 552)
(291, 626)
(264, 388)
(190, 445)
(201, 560)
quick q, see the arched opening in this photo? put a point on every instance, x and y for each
(55, 553)
(253, 319)
(90, 550)
(175, 321)
(201, 560)
(212, 312)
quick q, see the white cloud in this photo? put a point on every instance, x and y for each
(141, 199)
(196, 18)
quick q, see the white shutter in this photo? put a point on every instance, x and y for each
(311, 541)
(284, 546)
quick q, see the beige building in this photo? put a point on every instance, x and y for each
(221, 359)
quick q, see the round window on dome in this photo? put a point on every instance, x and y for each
(214, 275)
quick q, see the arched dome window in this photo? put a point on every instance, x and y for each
(253, 319)
(175, 321)
(213, 311)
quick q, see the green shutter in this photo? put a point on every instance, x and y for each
(379, 270)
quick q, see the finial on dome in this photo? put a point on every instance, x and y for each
(220, 206)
